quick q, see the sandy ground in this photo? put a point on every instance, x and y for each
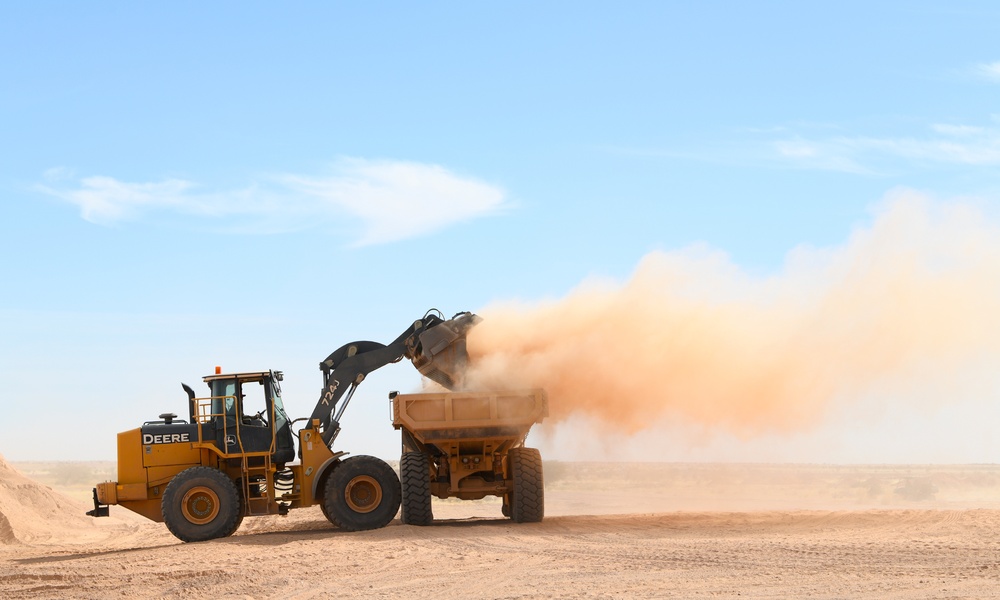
(611, 531)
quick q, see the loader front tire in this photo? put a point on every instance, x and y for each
(240, 513)
(363, 492)
(201, 503)
(527, 498)
(415, 477)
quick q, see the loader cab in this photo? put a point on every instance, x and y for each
(246, 415)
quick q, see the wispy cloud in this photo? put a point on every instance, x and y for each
(397, 199)
(944, 144)
(988, 71)
(390, 200)
(825, 155)
(958, 130)
(826, 147)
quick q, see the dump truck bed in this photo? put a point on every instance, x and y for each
(451, 416)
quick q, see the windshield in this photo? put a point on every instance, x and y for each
(280, 418)
(223, 397)
(275, 385)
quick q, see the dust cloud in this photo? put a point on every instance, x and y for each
(909, 300)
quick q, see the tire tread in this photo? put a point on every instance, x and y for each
(528, 495)
(229, 499)
(414, 471)
(335, 507)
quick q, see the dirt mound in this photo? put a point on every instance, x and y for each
(30, 511)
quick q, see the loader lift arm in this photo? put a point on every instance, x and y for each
(435, 346)
(439, 355)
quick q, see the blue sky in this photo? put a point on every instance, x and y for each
(255, 184)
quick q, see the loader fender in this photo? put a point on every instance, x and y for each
(322, 473)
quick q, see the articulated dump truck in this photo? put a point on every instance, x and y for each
(235, 455)
(470, 445)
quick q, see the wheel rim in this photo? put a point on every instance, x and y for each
(363, 494)
(200, 505)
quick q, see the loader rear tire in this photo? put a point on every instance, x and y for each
(201, 503)
(362, 493)
(527, 498)
(415, 477)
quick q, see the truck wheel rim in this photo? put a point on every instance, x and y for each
(200, 505)
(363, 494)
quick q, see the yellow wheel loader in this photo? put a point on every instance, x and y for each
(235, 455)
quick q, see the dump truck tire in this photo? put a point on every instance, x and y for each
(201, 503)
(415, 477)
(527, 498)
(363, 492)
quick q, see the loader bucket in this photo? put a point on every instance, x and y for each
(441, 355)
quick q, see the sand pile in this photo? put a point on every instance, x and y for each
(30, 511)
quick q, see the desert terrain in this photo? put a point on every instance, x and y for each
(611, 531)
